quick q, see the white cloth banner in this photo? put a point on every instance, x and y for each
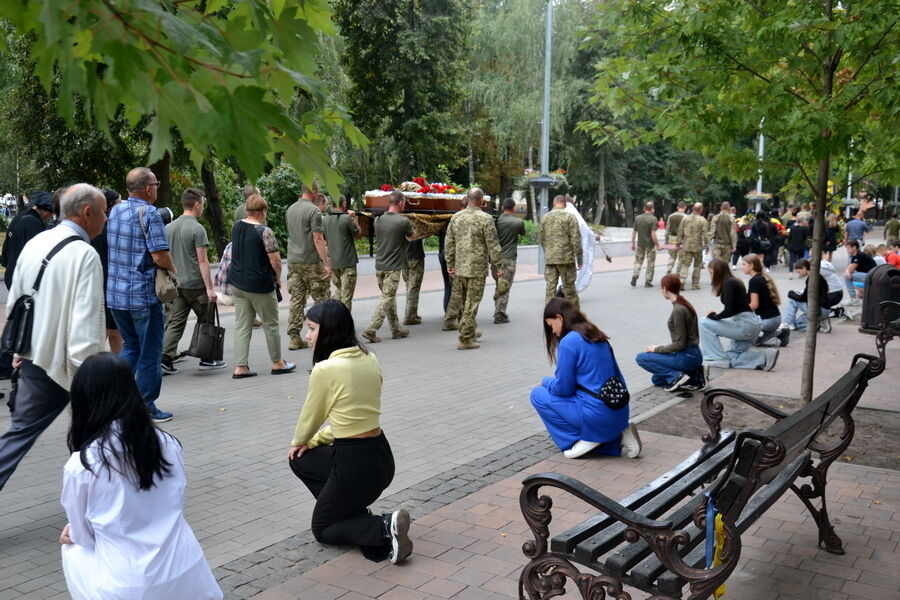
(583, 278)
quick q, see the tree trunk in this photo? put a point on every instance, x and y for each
(214, 207)
(530, 212)
(601, 187)
(471, 165)
(629, 211)
(161, 169)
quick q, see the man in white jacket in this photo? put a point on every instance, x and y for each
(68, 319)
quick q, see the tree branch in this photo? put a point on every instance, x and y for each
(872, 52)
(763, 77)
(809, 181)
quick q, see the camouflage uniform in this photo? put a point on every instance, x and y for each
(672, 225)
(454, 306)
(470, 245)
(561, 241)
(388, 282)
(413, 273)
(509, 229)
(501, 300)
(392, 231)
(344, 281)
(304, 280)
(692, 239)
(723, 234)
(305, 270)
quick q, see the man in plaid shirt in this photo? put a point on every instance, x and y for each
(137, 247)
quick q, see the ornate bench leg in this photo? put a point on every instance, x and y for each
(545, 578)
(819, 476)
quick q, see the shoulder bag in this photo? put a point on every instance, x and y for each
(208, 341)
(613, 393)
(166, 284)
(17, 332)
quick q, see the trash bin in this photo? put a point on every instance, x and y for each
(882, 283)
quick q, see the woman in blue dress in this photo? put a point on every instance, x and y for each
(578, 421)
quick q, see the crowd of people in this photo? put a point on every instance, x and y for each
(97, 264)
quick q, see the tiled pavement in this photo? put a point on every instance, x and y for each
(444, 411)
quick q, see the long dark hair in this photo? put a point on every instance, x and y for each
(573, 320)
(336, 329)
(672, 284)
(721, 273)
(103, 392)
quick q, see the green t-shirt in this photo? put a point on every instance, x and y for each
(645, 224)
(391, 230)
(509, 228)
(240, 212)
(892, 229)
(340, 231)
(185, 235)
(303, 218)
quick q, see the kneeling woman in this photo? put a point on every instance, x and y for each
(348, 463)
(736, 322)
(576, 418)
(677, 364)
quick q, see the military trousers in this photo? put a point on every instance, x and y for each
(640, 256)
(502, 300)
(454, 305)
(412, 274)
(689, 257)
(673, 259)
(722, 250)
(305, 280)
(471, 290)
(344, 285)
(177, 312)
(552, 275)
(388, 282)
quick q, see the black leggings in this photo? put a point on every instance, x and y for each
(345, 479)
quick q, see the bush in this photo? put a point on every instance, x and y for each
(531, 234)
(280, 188)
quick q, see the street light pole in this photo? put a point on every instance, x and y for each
(545, 123)
(760, 153)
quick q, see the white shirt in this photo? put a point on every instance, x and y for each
(131, 543)
(69, 320)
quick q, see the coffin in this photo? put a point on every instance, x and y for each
(377, 201)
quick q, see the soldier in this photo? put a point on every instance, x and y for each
(563, 254)
(723, 233)
(341, 229)
(691, 242)
(509, 228)
(309, 267)
(240, 211)
(470, 245)
(672, 224)
(413, 272)
(647, 245)
(392, 231)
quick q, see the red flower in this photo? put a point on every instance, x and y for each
(420, 181)
(386, 187)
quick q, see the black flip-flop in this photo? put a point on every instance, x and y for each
(289, 367)
(243, 375)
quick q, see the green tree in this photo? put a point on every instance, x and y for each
(816, 75)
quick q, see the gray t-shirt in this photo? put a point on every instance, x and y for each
(509, 228)
(340, 231)
(391, 230)
(185, 235)
(303, 218)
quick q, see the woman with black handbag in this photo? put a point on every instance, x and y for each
(585, 406)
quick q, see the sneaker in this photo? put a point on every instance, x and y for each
(631, 442)
(771, 359)
(370, 335)
(400, 333)
(580, 449)
(161, 416)
(678, 382)
(209, 365)
(825, 325)
(167, 367)
(784, 335)
(297, 343)
(398, 530)
(468, 346)
(633, 281)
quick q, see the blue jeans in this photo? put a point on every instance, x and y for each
(142, 331)
(856, 276)
(796, 314)
(742, 329)
(666, 368)
(767, 329)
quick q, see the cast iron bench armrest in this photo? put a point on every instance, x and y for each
(712, 411)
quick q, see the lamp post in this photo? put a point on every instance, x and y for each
(543, 185)
(759, 170)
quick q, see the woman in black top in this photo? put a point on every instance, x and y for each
(736, 322)
(255, 280)
(763, 297)
(763, 239)
(832, 230)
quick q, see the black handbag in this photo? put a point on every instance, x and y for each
(208, 341)
(613, 393)
(278, 296)
(16, 336)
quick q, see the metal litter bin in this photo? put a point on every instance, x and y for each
(882, 283)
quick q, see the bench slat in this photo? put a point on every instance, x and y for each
(566, 541)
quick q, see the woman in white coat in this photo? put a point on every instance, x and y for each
(123, 493)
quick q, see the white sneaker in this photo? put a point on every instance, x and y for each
(208, 365)
(771, 359)
(580, 449)
(401, 545)
(676, 384)
(631, 442)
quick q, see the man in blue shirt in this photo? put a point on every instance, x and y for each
(137, 248)
(857, 227)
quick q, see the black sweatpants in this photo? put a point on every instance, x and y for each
(345, 479)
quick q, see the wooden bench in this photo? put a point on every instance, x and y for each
(654, 539)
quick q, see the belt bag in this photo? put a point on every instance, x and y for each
(17, 332)
(614, 393)
(166, 284)
(208, 341)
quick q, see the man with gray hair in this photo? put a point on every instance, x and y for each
(137, 248)
(68, 318)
